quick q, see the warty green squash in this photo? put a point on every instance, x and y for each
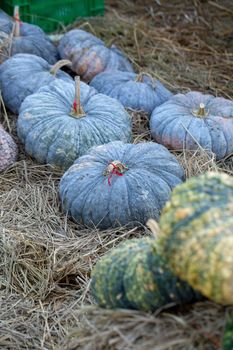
(196, 236)
(227, 342)
(134, 276)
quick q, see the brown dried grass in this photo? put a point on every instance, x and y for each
(46, 259)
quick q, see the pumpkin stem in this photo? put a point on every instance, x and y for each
(58, 65)
(201, 112)
(77, 110)
(17, 21)
(139, 78)
(114, 168)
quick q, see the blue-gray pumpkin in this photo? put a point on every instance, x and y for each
(56, 128)
(139, 92)
(22, 37)
(188, 121)
(24, 74)
(118, 184)
(89, 55)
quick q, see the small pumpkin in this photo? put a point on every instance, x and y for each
(134, 276)
(26, 38)
(188, 121)
(196, 236)
(227, 343)
(118, 184)
(89, 55)
(24, 74)
(8, 149)
(56, 127)
(139, 92)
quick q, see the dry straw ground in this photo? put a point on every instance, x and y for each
(46, 259)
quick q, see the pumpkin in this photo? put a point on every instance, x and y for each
(56, 127)
(89, 55)
(118, 184)
(227, 343)
(139, 92)
(196, 236)
(188, 121)
(23, 74)
(134, 276)
(26, 38)
(8, 149)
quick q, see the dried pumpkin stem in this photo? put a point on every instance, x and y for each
(59, 65)
(140, 76)
(117, 165)
(114, 168)
(201, 112)
(77, 110)
(17, 21)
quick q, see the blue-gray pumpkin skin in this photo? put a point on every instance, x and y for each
(173, 125)
(89, 55)
(139, 95)
(139, 194)
(52, 136)
(24, 74)
(32, 40)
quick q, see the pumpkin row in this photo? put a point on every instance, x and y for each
(185, 121)
(191, 256)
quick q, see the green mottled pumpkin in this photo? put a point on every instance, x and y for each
(227, 343)
(134, 276)
(197, 235)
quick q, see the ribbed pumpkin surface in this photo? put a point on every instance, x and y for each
(51, 133)
(138, 92)
(89, 55)
(197, 235)
(134, 276)
(95, 196)
(188, 121)
(24, 74)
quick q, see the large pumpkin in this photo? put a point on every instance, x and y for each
(118, 184)
(89, 55)
(22, 37)
(188, 121)
(139, 92)
(135, 276)
(24, 74)
(8, 149)
(196, 236)
(56, 128)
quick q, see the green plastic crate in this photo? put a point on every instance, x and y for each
(52, 15)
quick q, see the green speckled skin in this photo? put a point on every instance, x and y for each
(197, 235)
(227, 343)
(134, 276)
